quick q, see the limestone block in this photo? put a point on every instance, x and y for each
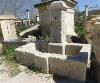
(30, 39)
(57, 48)
(42, 46)
(97, 53)
(71, 69)
(1, 49)
(24, 54)
(61, 24)
(27, 55)
(41, 62)
(57, 31)
(8, 29)
(25, 58)
(86, 49)
(72, 50)
(96, 41)
(44, 16)
(67, 66)
(29, 31)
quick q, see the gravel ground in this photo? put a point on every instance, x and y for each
(27, 76)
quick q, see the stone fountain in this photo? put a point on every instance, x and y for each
(58, 56)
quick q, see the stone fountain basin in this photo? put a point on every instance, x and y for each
(58, 48)
(73, 50)
(52, 63)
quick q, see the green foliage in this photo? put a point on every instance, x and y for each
(9, 53)
(10, 59)
(79, 24)
(79, 29)
(44, 37)
(19, 29)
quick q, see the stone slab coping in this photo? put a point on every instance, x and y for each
(30, 29)
(82, 57)
(75, 44)
(50, 1)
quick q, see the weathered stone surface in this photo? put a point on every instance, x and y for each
(7, 28)
(42, 46)
(72, 50)
(67, 66)
(41, 62)
(1, 49)
(60, 24)
(30, 39)
(29, 31)
(27, 55)
(57, 19)
(44, 16)
(57, 48)
(89, 26)
(71, 69)
(24, 54)
(25, 58)
(93, 35)
(96, 41)
(86, 52)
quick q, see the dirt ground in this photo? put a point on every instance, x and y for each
(10, 73)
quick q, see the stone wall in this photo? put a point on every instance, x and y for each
(89, 26)
(93, 37)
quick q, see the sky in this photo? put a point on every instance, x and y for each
(28, 4)
(91, 3)
(81, 3)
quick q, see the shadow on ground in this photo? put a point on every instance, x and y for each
(59, 79)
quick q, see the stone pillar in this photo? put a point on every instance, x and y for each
(86, 10)
(61, 25)
(62, 21)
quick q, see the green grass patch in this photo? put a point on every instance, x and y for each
(9, 53)
(10, 60)
(11, 64)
